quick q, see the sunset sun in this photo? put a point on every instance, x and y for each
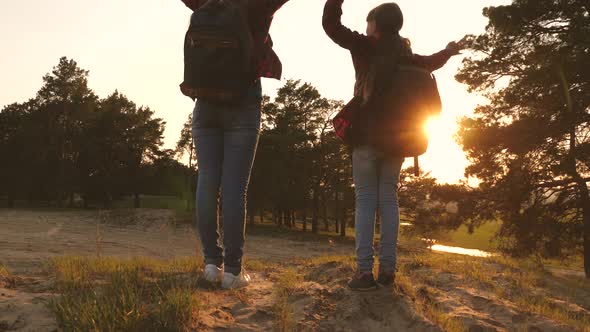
(433, 127)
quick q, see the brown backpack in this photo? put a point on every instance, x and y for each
(400, 110)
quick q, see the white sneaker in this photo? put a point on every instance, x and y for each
(231, 281)
(212, 273)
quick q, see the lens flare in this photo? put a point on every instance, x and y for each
(432, 126)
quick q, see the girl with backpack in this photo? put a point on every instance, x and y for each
(375, 172)
(227, 50)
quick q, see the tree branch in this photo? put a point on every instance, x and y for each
(560, 183)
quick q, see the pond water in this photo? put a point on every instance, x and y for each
(461, 251)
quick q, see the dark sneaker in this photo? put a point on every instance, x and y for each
(386, 279)
(363, 282)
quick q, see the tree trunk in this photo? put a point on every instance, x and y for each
(343, 224)
(107, 201)
(315, 212)
(136, 201)
(572, 167)
(378, 223)
(304, 216)
(71, 200)
(293, 219)
(285, 218)
(337, 214)
(251, 215)
(325, 215)
(587, 237)
(585, 195)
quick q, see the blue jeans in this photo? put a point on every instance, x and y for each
(376, 178)
(225, 140)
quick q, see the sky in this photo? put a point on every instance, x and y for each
(136, 47)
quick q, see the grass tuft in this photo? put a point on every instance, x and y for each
(4, 273)
(110, 294)
(177, 306)
(289, 280)
(286, 283)
(283, 312)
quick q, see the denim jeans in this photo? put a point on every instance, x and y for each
(225, 137)
(376, 178)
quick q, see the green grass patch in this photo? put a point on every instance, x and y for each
(482, 238)
(110, 294)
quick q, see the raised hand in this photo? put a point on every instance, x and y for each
(454, 48)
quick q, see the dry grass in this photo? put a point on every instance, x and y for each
(519, 282)
(424, 301)
(283, 312)
(257, 265)
(4, 274)
(286, 282)
(109, 294)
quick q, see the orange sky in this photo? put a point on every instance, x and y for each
(135, 46)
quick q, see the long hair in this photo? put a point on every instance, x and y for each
(389, 52)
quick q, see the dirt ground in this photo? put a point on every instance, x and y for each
(27, 238)
(321, 302)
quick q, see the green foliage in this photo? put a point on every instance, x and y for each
(530, 144)
(300, 165)
(67, 145)
(432, 209)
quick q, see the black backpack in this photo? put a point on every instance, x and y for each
(218, 52)
(401, 110)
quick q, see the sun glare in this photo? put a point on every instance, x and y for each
(432, 126)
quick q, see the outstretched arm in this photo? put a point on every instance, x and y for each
(341, 35)
(437, 60)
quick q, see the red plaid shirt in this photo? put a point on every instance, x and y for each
(362, 47)
(261, 13)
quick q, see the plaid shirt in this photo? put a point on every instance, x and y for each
(261, 13)
(363, 47)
